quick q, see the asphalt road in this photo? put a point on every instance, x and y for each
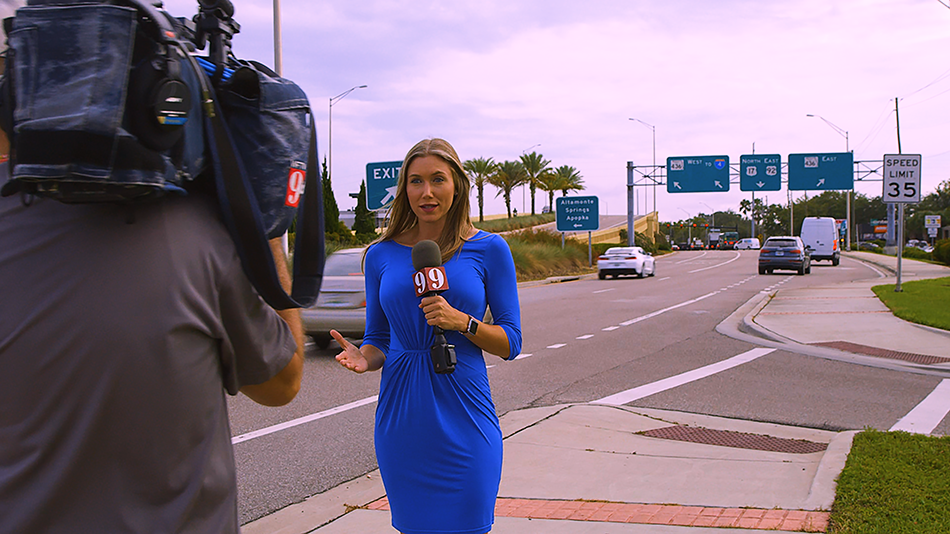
(585, 340)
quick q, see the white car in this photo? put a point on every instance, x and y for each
(748, 243)
(625, 260)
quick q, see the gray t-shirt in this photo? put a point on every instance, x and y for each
(117, 343)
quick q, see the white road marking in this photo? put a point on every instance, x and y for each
(717, 265)
(664, 310)
(522, 356)
(646, 390)
(585, 336)
(610, 328)
(927, 415)
(557, 345)
(301, 420)
(604, 290)
(664, 278)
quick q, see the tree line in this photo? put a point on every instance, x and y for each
(531, 169)
(779, 219)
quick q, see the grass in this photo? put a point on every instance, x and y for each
(539, 255)
(894, 483)
(921, 301)
(514, 223)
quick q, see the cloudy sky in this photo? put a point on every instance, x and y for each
(497, 78)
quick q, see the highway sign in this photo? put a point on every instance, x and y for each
(697, 174)
(931, 221)
(381, 181)
(575, 214)
(901, 179)
(760, 172)
(828, 171)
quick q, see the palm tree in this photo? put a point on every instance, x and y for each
(507, 176)
(567, 179)
(535, 166)
(479, 170)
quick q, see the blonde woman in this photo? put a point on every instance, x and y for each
(438, 442)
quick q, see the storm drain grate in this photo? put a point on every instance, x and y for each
(856, 348)
(738, 440)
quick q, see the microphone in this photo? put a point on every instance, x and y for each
(430, 280)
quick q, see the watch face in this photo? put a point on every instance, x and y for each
(472, 325)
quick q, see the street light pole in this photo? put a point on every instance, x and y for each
(278, 52)
(653, 177)
(334, 100)
(847, 148)
(524, 207)
(689, 226)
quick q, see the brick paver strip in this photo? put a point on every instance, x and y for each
(656, 514)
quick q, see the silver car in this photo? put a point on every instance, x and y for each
(341, 305)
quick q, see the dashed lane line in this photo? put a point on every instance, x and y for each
(301, 420)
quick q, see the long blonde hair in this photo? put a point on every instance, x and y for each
(458, 223)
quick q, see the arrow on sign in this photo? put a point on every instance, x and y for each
(760, 184)
(390, 195)
(578, 225)
(677, 185)
(718, 184)
(820, 181)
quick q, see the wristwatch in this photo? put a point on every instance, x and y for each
(472, 326)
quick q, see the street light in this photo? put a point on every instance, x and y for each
(523, 186)
(712, 213)
(334, 100)
(847, 148)
(650, 126)
(689, 226)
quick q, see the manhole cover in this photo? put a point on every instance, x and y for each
(738, 440)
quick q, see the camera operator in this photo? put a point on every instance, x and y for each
(117, 343)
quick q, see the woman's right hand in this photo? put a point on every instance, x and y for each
(350, 357)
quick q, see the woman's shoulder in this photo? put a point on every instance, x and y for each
(489, 243)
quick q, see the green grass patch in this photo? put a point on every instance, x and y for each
(920, 301)
(894, 483)
(514, 223)
(539, 255)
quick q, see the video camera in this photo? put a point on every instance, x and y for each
(137, 116)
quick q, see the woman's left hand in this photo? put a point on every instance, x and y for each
(440, 313)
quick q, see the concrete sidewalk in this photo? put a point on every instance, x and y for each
(594, 468)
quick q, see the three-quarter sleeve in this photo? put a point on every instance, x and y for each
(377, 325)
(502, 292)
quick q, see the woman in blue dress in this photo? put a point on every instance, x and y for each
(438, 441)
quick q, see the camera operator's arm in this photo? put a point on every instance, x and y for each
(283, 387)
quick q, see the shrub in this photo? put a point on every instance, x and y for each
(941, 251)
(915, 253)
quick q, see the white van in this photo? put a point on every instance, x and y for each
(748, 243)
(820, 234)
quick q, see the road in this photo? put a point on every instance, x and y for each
(586, 340)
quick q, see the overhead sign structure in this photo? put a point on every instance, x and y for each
(760, 172)
(381, 179)
(901, 179)
(828, 171)
(577, 214)
(697, 174)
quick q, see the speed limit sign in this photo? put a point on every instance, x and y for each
(901, 178)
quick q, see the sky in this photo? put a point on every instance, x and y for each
(497, 78)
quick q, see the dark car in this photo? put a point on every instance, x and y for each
(784, 252)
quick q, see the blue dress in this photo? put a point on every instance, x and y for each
(438, 441)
